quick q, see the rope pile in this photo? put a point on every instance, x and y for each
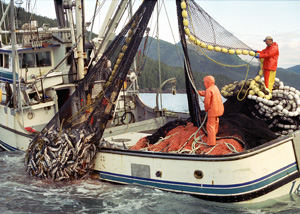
(279, 109)
(243, 88)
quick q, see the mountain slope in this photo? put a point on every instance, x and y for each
(170, 56)
(295, 69)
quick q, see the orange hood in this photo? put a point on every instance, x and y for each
(209, 81)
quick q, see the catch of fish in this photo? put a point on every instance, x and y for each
(61, 154)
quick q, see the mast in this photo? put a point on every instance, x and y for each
(13, 51)
(3, 19)
(80, 37)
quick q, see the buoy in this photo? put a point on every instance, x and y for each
(121, 55)
(210, 47)
(259, 99)
(130, 33)
(203, 45)
(0, 95)
(238, 52)
(224, 50)
(184, 14)
(185, 23)
(251, 53)
(118, 61)
(133, 25)
(183, 5)
(257, 78)
(217, 49)
(116, 67)
(267, 97)
(187, 31)
(251, 92)
(191, 38)
(128, 40)
(197, 42)
(260, 94)
(231, 51)
(124, 48)
(245, 52)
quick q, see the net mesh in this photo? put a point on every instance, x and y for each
(210, 48)
(66, 147)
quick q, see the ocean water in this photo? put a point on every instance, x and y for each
(22, 194)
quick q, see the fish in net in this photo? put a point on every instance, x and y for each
(65, 149)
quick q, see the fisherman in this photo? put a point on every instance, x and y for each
(214, 107)
(270, 59)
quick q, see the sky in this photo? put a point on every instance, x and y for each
(250, 21)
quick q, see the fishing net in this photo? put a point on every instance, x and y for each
(66, 147)
(250, 118)
(211, 49)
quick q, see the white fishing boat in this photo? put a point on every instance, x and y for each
(39, 74)
(68, 147)
(255, 175)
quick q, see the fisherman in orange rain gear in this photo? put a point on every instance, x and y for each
(214, 107)
(270, 59)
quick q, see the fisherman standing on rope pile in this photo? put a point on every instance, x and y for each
(270, 59)
(214, 107)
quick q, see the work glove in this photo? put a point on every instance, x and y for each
(257, 56)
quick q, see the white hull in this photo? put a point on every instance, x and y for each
(258, 175)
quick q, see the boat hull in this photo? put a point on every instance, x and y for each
(264, 173)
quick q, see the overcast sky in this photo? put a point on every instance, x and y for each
(250, 21)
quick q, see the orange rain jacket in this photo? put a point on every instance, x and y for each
(213, 103)
(270, 55)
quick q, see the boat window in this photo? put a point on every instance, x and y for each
(38, 59)
(6, 61)
(43, 59)
(27, 60)
(1, 60)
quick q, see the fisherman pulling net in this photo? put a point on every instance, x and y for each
(66, 147)
(211, 49)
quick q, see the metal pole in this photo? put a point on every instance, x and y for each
(79, 36)
(13, 52)
(159, 68)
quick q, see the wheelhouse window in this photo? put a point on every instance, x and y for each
(32, 60)
(43, 59)
(6, 61)
(27, 60)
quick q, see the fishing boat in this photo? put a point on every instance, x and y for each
(76, 140)
(257, 174)
(42, 71)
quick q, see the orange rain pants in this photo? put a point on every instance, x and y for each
(212, 127)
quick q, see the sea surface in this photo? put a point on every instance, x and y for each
(22, 194)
